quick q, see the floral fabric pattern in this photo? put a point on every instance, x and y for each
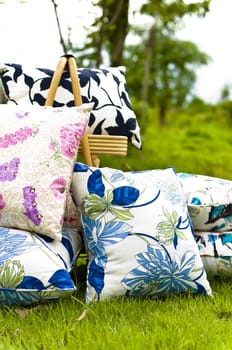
(35, 268)
(139, 238)
(72, 216)
(34, 177)
(216, 252)
(106, 88)
(209, 201)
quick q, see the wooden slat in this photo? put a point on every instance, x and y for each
(92, 146)
(106, 145)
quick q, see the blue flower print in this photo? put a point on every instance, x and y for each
(96, 277)
(100, 234)
(12, 244)
(116, 202)
(95, 184)
(119, 175)
(159, 274)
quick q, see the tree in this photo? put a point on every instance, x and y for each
(113, 29)
(172, 72)
(225, 93)
(107, 34)
(167, 18)
(62, 40)
(164, 65)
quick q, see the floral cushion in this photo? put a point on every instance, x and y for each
(35, 268)
(138, 234)
(72, 217)
(112, 112)
(209, 201)
(38, 147)
(216, 252)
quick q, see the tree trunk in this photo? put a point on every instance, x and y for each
(62, 41)
(117, 26)
(147, 66)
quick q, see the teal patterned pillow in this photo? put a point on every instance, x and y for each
(216, 252)
(36, 268)
(138, 234)
(209, 201)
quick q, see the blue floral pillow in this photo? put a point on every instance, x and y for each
(209, 201)
(138, 234)
(112, 112)
(216, 252)
(35, 268)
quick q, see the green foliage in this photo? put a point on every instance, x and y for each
(170, 13)
(172, 73)
(192, 141)
(165, 66)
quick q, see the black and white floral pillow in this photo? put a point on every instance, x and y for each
(112, 112)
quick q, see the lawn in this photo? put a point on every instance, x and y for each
(195, 144)
(178, 322)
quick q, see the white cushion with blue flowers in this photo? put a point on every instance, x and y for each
(112, 112)
(35, 268)
(138, 234)
(209, 201)
(216, 252)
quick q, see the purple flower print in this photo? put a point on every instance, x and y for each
(2, 202)
(9, 171)
(22, 114)
(70, 135)
(30, 205)
(58, 187)
(20, 135)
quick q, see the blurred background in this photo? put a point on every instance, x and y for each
(177, 55)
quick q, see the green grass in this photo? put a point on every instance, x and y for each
(188, 143)
(183, 322)
(195, 143)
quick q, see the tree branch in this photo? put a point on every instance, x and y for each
(62, 42)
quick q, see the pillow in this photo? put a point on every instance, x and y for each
(209, 201)
(112, 112)
(35, 268)
(216, 252)
(71, 214)
(138, 234)
(38, 147)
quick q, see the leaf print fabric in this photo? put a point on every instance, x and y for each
(209, 201)
(35, 268)
(38, 148)
(112, 110)
(216, 252)
(138, 236)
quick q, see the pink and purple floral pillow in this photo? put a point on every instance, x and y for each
(38, 148)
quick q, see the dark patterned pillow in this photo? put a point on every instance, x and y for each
(112, 112)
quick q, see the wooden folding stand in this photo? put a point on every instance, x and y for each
(92, 146)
